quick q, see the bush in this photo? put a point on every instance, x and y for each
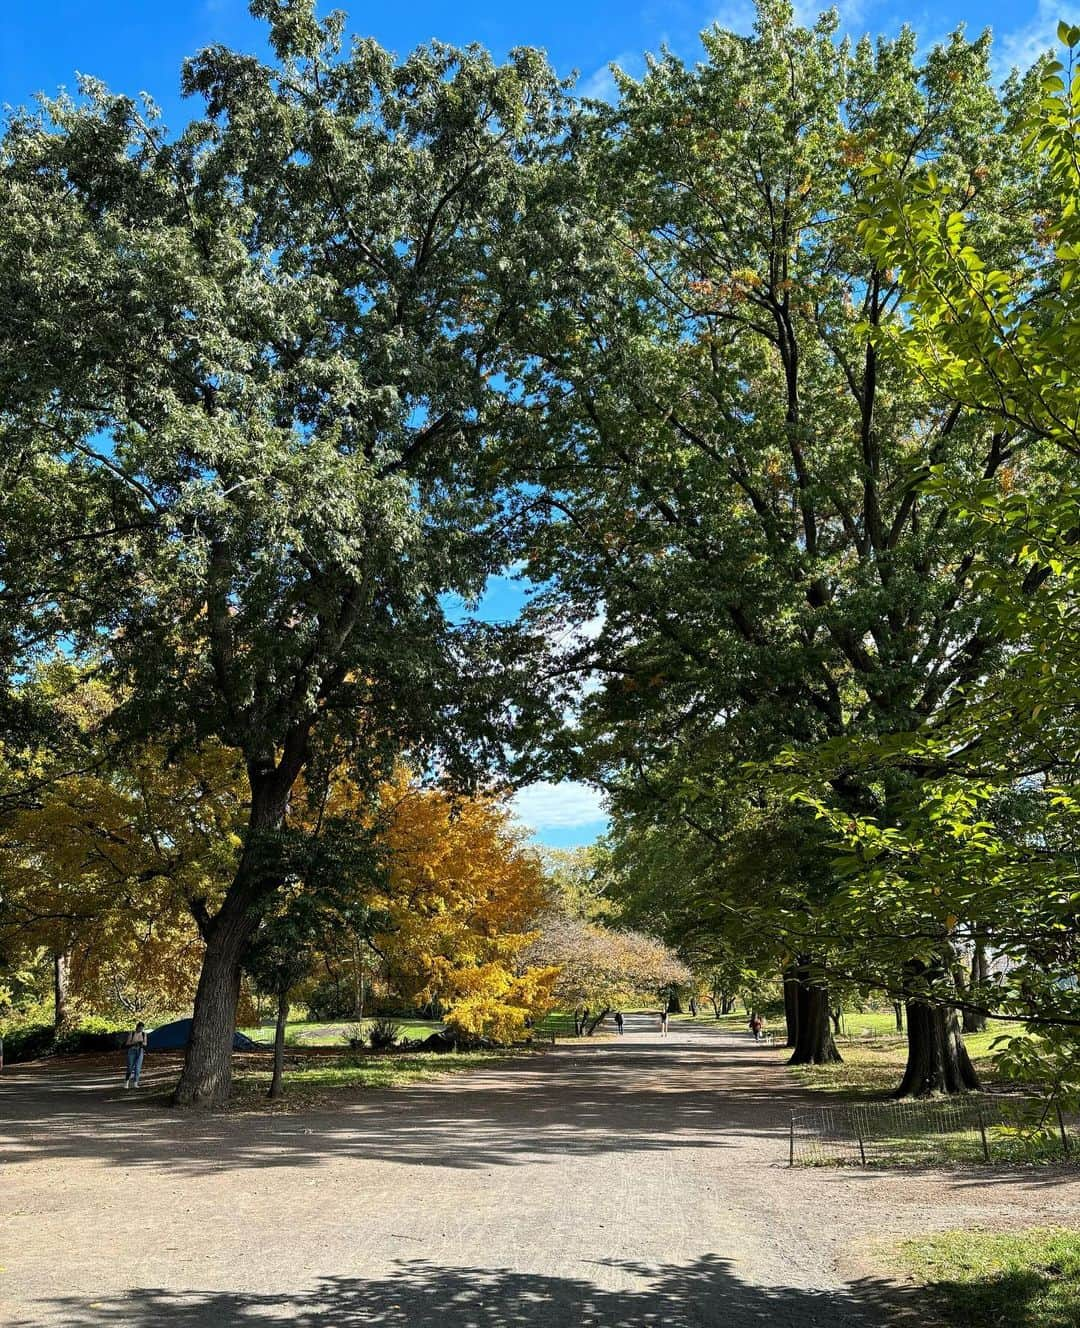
(29, 1042)
(90, 1034)
(354, 1035)
(383, 1034)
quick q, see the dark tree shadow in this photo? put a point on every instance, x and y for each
(561, 1104)
(705, 1294)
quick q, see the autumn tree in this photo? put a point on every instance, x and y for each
(599, 969)
(106, 862)
(462, 897)
(256, 380)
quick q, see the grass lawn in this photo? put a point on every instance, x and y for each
(977, 1279)
(332, 1033)
(317, 1080)
(874, 1067)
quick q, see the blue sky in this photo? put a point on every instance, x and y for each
(138, 45)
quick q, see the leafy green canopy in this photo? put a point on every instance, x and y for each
(740, 483)
(256, 381)
(987, 844)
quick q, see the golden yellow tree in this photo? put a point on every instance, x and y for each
(464, 895)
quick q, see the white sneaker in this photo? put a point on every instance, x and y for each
(127, 1083)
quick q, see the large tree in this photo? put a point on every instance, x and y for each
(740, 482)
(254, 380)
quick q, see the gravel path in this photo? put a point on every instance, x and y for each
(639, 1181)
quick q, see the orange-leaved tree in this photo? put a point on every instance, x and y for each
(463, 894)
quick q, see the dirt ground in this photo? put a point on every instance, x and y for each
(636, 1182)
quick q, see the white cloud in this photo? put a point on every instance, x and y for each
(1022, 46)
(546, 806)
(737, 16)
(600, 85)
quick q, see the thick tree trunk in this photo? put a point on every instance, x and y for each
(814, 1043)
(276, 1079)
(60, 990)
(791, 1007)
(207, 1074)
(727, 1005)
(674, 1004)
(206, 1078)
(937, 1058)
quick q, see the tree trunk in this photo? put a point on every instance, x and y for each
(837, 1016)
(814, 1043)
(974, 1021)
(60, 990)
(207, 1074)
(791, 1007)
(937, 1058)
(898, 1010)
(206, 1078)
(716, 1006)
(727, 1005)
(674, 1004)
(276, 1085)
(594, 1024)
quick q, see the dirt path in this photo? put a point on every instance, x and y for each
(636, 1182)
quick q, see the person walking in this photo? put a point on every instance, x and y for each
(663, 1021)
(135, 1045)
(618, 1022)
(755, 1026)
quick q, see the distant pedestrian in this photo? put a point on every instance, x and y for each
(618, 1022)
(135, 1045)
(663, 1021)
(755, 1026)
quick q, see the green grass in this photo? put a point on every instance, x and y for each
(874, 1067)
(331, 1033)
(977, 1279)
(868, 1024)
(325, 1080)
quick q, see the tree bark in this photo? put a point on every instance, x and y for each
(898, 1010)
(60, 990)
(206, 1078)
(937, 1058)
(674, 1004)
(974, 1021)
(276, 1079)
(791, 1007)
(814, 1044)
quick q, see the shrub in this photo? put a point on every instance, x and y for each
(29, 1042)
(383, 1034)
(354, 1035)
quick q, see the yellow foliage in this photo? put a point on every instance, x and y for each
(464, 894)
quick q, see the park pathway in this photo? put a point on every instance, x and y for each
(636, 1181)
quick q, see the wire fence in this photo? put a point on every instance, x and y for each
(942, 1131)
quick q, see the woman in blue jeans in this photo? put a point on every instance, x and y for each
(136, 1050)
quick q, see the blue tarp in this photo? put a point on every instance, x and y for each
(176, 1036)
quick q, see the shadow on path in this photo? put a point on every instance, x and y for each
(574, 1101)
(705, 1294)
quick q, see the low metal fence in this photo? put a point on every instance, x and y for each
(933, 1132)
